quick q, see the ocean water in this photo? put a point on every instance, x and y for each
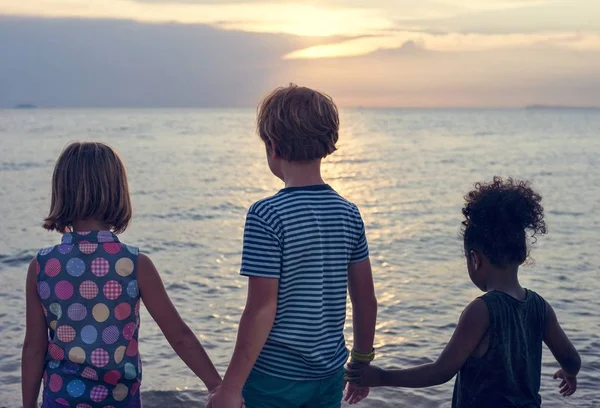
(193, 174)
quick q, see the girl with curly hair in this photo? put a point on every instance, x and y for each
(496, 349)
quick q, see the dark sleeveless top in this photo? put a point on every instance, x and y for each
(508, 374)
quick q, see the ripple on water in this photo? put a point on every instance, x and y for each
(406, 170)
(20, 166)
(17, 259)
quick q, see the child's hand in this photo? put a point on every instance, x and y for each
(355, 393)
(364, 375)
(568, 385)
(220, 398)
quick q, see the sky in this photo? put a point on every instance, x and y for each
(379, 53)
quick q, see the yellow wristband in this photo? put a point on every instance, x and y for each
(362, 357)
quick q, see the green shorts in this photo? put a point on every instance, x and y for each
(265, 391)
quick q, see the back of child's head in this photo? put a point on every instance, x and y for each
(298, 123)
(499, 215)
(89, 183)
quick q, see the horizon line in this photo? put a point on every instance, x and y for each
(33, 107)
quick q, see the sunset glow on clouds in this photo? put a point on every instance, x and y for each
(277, 17)
(356, 44)
(447, 43)
(437, 25)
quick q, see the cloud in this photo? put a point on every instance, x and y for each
(345, 48)
(121, 63)
(360, 46)
(449, 42)
(114, 63)
(550, 17)
(500, 78)
(269, 17)
(335, 17)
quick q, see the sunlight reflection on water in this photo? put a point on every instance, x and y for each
(194, 173)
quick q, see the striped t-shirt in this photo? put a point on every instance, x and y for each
(306, 237)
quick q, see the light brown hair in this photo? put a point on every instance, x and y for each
(298, 123)
(89, 183)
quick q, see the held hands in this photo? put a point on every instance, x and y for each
(221, 398)
(364, 375)
(355, 392)
(568, 385)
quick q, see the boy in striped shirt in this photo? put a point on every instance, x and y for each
(304, 248)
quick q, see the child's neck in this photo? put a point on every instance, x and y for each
(506, 280)
(299, 174)
(90, 225)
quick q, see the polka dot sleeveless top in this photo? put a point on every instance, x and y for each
(91, 301)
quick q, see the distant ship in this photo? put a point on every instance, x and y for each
(25, 106)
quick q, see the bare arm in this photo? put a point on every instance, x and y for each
(564, 352)
(176, 331)
(35, 343)
(255, 326)
(364, 305)
(560, 345)
(261, 262)
(364, 317)
(469, 332)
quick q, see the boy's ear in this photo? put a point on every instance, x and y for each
(271, 150)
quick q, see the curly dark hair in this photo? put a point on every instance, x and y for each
(498, 216)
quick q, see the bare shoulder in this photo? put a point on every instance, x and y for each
(32, 269)
(144, 260)
(550, 313)
(33, 263)
(476, 312)
(145, 266)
